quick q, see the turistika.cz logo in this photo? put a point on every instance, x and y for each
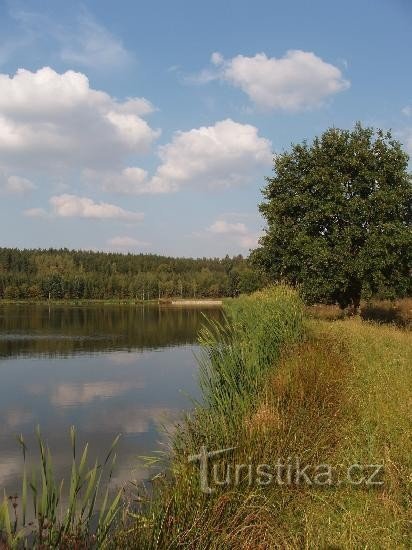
(291, 471)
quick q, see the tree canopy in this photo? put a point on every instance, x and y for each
(79, 274)
(338, 215)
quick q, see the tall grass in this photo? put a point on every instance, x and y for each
(235, 357)
(50, 516)
(238, 354)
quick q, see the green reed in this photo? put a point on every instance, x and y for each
(51, 517)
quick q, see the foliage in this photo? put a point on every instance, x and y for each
(80, 519)
(75, 275)
(339, 215)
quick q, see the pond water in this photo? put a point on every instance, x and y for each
(104, 369)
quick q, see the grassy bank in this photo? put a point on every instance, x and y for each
(278, 387)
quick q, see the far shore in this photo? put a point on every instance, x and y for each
(196, 302)
(117, 301)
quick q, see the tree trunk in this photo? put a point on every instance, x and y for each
(356, 297)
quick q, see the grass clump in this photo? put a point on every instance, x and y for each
(48, 516)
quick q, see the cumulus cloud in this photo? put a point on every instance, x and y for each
(35, 213)
(225, 154)
(224, 227)
(236, 232)
(15, 185)
(58, 122)
(222, 155)
(73, 206)
(126, 242)
(296, 81)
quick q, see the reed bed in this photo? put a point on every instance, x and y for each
(237, 356)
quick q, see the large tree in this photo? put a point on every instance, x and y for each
(338, 215)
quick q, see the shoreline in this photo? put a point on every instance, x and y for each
(115, 301)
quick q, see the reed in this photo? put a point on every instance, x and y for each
(47, 516)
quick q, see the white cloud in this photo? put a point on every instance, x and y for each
(126, 242)
(57, 122)
(217, 58)
(16, 185)
(222, 155)
(407, 111)
(296, 81)
(224, 227)
(72, 206)
(234, 232)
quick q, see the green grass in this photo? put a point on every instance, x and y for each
(50, 515)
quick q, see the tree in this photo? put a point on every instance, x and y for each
(338, 216)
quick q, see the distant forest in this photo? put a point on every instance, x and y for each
(77, 274)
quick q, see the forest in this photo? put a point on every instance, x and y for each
(76, 274)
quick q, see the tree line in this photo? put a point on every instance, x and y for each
(76, 274)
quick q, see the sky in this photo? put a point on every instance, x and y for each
(150, 126)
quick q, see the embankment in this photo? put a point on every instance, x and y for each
(286, 395)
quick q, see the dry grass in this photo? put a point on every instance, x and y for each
(398, 312)
(385, 311)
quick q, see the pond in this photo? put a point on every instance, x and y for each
(104, 369)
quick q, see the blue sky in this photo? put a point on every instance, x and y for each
(149, 126)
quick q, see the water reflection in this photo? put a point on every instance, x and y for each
(58, 330)
(105, 370)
